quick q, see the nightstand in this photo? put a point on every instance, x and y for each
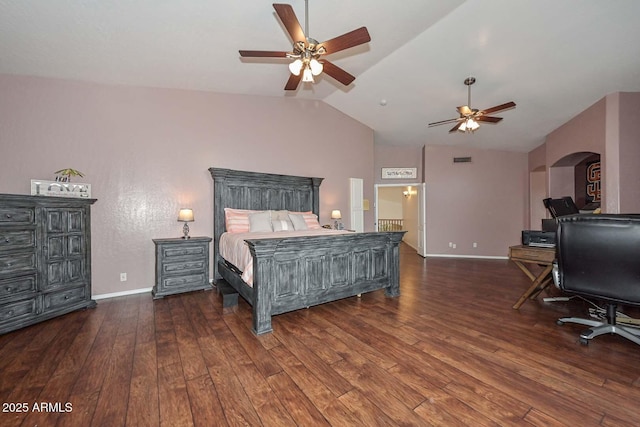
(182, 265)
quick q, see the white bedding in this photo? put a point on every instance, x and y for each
(235, 250)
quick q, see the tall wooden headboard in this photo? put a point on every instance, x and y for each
(259, 191)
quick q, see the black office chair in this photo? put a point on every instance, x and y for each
(560, 207)
(598, 257)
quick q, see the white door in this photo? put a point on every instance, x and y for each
(422, 219)
(356, 209)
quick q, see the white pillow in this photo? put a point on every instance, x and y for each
(260, 222)
(280, 221)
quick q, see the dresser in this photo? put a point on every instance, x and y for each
(45, 258)
(182, 265)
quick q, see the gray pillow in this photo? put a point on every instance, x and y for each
(298, 222)
(260, 222)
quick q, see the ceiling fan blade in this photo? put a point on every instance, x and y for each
(464, 110)
(290, 21)
(347, 40)
(455, 128)
(262, 54)
(498, 108)
(444, 122)
(293, 82)
(337, 73)
(488, 119)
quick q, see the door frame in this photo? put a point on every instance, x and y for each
(421, 214)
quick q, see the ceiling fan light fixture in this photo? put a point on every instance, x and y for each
(316, 67)
(307, 75)
(469, 125)
(295, 67)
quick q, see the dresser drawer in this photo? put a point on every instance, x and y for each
(19, 310)
(17, 285)
(12, 263)
(186, 281)
(182, 250)
(17, 239)
(64, 298)
(17, 215)
(184, 267)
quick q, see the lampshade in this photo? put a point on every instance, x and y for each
(335, 214)
(307, 75)
(316, 67)
(185, 215)
(295, 67)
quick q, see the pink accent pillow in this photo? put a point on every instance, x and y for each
(310, 219)
(237, 220)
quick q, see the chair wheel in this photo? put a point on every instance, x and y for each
(584, 341)
(559, 322)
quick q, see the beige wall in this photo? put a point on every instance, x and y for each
(390, 201)
(146, 153)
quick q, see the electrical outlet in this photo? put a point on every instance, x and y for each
(123, 277)
(475, 244)
(454, 246)
(450, 244)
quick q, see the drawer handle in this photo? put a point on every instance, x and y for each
(67, 297)
(9, 289)
(6, 240)
(8, 215)
(10, 313)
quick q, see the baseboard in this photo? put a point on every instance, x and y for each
(466, 256)
(122, 294)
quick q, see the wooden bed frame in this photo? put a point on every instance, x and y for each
(298, 272)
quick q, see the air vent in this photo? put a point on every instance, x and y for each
(462, 160)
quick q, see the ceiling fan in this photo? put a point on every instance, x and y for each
(307, 52)
(469, 118)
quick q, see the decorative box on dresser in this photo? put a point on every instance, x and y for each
(45, 258)
(182, 265)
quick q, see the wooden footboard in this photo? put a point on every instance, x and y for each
(298, 272)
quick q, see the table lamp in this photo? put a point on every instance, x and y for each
(336, 215)
(186, 216)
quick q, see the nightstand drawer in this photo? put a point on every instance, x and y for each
(17, 215)
(17, 262)
(67, 297)
(17, 239)
(186, 281)
(184, 267)
(184, 250)
(17, 285)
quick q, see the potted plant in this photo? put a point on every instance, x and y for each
(64, 175)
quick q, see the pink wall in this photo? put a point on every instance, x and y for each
(608, 128)
(583, 133)
(485, 201)
(146, 153)
(629, 152)
(401, 156)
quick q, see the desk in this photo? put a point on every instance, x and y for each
(522, 255)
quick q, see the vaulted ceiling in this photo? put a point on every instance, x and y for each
(553, 58)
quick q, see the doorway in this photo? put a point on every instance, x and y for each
(402, 207)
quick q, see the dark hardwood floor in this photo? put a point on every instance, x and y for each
(449, 351)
